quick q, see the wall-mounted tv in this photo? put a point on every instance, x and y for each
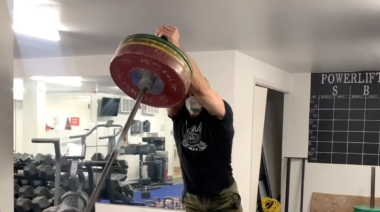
(109, 106)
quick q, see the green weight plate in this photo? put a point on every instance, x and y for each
(153, 37)
(364, 208)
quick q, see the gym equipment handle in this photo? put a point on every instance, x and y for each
(57, 149)
(93, 129)
(113, 136)
(110, 162)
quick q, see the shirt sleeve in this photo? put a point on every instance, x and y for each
(180, 114)
(228, 118)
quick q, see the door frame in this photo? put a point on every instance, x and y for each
(257, 81)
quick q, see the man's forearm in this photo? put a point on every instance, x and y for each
(173, 111)
(198, 81)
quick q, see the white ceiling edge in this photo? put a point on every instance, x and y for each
(98, 65)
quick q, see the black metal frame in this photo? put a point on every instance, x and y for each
(288, 168)
(111, 141)
(57, 148)
(372, 195)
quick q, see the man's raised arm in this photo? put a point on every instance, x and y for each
(199, 87)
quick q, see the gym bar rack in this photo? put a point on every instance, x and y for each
(57, 149)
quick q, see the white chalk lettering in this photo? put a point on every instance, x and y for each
(366, 90)
(371, 77)
(324, 77)
(331, 78)
(360, 78)
(346, 78)
(339, 78)
(353, 78)
(335, 90)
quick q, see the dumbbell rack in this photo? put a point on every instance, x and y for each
(57, 148)
(57, 177)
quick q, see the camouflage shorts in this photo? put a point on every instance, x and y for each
(226, 201)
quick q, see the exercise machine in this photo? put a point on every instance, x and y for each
(158, 171)
(144, 183)
(111, 138)
(119, 169)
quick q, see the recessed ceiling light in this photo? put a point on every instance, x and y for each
(30, 18)
(69, 81)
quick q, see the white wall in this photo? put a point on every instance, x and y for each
(6, 104)
(17, 125)
(249, 71)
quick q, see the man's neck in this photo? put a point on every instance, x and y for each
(194, 115)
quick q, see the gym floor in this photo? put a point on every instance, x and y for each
(176, 181)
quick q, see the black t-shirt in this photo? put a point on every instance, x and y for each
(204, 145)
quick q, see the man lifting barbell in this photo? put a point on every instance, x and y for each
(156, 72)
(203, 131)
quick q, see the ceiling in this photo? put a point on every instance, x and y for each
(293, 35)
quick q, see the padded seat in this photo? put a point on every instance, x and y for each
(132, 149)
(146, 149)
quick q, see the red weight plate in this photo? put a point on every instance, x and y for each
(132, 57)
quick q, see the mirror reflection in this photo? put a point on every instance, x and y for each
(87, 115)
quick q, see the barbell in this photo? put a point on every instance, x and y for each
(152, 71)
(143, 60)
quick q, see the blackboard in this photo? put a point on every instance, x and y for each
(344, 118)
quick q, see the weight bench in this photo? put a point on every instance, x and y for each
(143, 149)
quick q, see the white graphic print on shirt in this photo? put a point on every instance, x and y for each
(192, 139)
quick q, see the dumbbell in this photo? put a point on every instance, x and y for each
(65, 163)
(45, 199)
(47, 160)
(46, 172)
(41, 191)
(33, 183)
(26, 158)
(18, 155)
(16, 189)
(23, 203)
(40, 202)
(16, 159)
(30, 170)
(38, 157)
